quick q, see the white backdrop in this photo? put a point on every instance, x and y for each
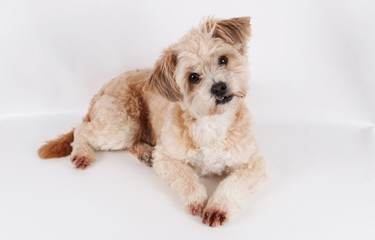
(313, 60)
(312, 100)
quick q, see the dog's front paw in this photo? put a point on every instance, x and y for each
(197, 201)
(214, 216)
(81, 161)
(196, 208)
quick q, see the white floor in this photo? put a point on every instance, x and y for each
(321, 186)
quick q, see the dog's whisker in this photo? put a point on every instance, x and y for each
(239, 94)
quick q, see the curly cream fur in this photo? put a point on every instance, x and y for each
(159, 112)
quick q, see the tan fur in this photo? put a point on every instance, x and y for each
(235, 31)
(182, 128)
(184, 121)
(162, 77)
(59, 147)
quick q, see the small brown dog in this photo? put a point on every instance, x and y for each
(186, 117)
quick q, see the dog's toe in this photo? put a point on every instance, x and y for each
(143, 151)
(214, 217)
(81, 161)
(196, 208)
(145, 155)
(146, 158)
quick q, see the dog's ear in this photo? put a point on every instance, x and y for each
(234, 31)
(162, 78)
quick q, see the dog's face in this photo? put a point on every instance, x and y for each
(207, 70)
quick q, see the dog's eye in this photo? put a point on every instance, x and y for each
(194, 78)
(223, 60)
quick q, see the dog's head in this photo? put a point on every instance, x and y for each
(207, 70)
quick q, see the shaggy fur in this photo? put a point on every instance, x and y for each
(186, 126)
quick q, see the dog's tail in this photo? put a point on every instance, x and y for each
(59, 147)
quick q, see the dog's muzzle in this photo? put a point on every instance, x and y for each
(220, 91)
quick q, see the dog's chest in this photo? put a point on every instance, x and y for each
(209, 160)
(211, 154)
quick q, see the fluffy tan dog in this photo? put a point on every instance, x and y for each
(186, 117)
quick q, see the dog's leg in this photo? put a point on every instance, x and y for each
(143, 152)
(83, 154)
(231, 193)
(184, 181)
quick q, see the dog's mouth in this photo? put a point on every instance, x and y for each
(224, 99)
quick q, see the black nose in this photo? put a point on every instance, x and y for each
(219, 89)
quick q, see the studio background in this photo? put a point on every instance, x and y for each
(312, 101)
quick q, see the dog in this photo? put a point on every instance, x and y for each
(186, 117)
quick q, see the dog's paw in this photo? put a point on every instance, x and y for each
(81, 161)
(196, 208)
(197, 201)
(214, 216)
(146, 158)
(143, 152)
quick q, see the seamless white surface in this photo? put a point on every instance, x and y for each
(312, 100)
